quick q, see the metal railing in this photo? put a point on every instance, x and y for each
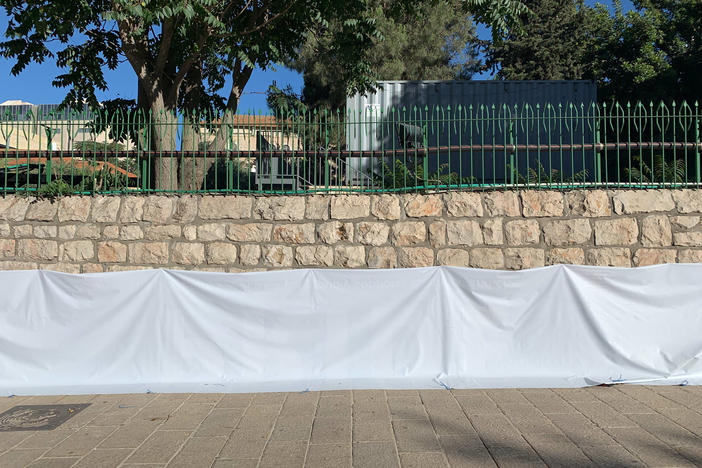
(453, 147)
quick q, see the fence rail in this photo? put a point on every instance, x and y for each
(461, 147)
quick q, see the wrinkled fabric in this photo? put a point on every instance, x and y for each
(297, 330)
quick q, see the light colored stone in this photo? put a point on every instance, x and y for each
(67, 232)
(105, 209)
(249, 254)
(350, 256)
(688, 239)
(618, 231)
(538, 203)
(169, 231)
(279, 208)
(61, 267)
(252, 232)
(335, 231)
(110, 232)
(523, 258)
(132, 209)
(466, 232)
(422, 206)
(91, 268)
(501, 204)
(221, 253)
(317, 207)
(148, 252)
(492, 232)
(522, 232)
(131, 232)
(14, 208)
(88, 231)
(453, 257)
(644, 257)
(4, 230)
(409, 233)
(690, 256)
(185, 209)
(382, 257)
(642, 201)
(220, 207)
(612, 256)
(589, 203)
(415, 257)
(211, 232)
(12, 265)
(112, 252)
(7, 248)
(684, 222)
(567, 232)
(277, 255)
(372, 233)
(437, 233)
(490, 258)
(569, 256)
(77, 251)
(294, 233)
(133, 268)
(157, 209)
(42, 210)
(385, 206)
(190, 233)
(688, 201)
(463, 204)
(188, 253)
(314, 255)
(24, 230)
(656, 231)
(45, 232)
(34, 249)
(73, 209)
(350, 206)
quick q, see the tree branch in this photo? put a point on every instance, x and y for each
(164, 48)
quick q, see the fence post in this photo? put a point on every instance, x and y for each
(598, 155)
(697, 140)
(511, 152)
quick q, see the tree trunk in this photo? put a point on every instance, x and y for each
(193, 170)
(164, 128)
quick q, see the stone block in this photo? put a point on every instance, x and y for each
(569, 256)
(131, 232)
(221, 253)
(501, 204)
(294, 233)
(148, 252)
(185, 209)
(490, 258)
(690, 256)
(165, 232)
(437, 233)
(453, 257)
(61, 267)
(4, 229)
(105, 209)
(251, 232)
(409, 233)
(7, 248)
(72, 209)
(35, 249)
(190, 233)
(211, 232)
(218, 207)
(112, 252)
(372, 233)
(414, 257)
(688, 201)
(642, 201)
(589, 203)
(382, 257)
(249, 254)
(110, 232)
(493, 233)
(522, 232)
(67, 232)
(317, 207)
(463, 204)
(279, 208)
(523, 258)
(91, 268)
(644, 257)
(350, 206)
(350, 256)
(24, 230)
(88, 231)
(422, 206)
(314, 255)
(688, 239)
(14, 208)
(465, 232)
(335, 231)
(42, 210)
(612, 256)
(157, 209)
(132, 209)
(77, 251)
(13, 265)
(45, 232)
(538, 203)
(684, 222)
(656, 231)
(277, 255)
(188, 253)
(619, 231)
(385, 206)
(567, 232)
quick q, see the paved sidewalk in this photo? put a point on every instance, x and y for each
(605, 426)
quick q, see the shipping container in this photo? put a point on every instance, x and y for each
(479, 131)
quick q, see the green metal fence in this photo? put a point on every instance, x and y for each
(454, 147)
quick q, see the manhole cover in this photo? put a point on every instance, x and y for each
(38, 417)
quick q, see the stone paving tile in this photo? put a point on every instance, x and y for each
(104, 458)
(375, 454)
(423, 460)
(53, 463)
(130, 435)
(19, 457)
(160, 447)
(81, 442)
(415, 435)
(328, 456)
(284, 453)
(220, 422)
(466, 451)
(331, 431)
(647, 447)
(198, 452)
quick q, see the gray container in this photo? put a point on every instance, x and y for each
(491, 112)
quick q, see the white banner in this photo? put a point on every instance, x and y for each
(178, 331)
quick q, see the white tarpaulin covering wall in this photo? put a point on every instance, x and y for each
(176, 331)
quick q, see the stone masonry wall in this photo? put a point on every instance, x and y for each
(502, 230)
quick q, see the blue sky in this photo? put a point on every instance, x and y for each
(34, 83)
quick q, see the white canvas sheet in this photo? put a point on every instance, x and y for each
(177, 331)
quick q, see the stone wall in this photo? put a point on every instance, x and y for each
(504, 230)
